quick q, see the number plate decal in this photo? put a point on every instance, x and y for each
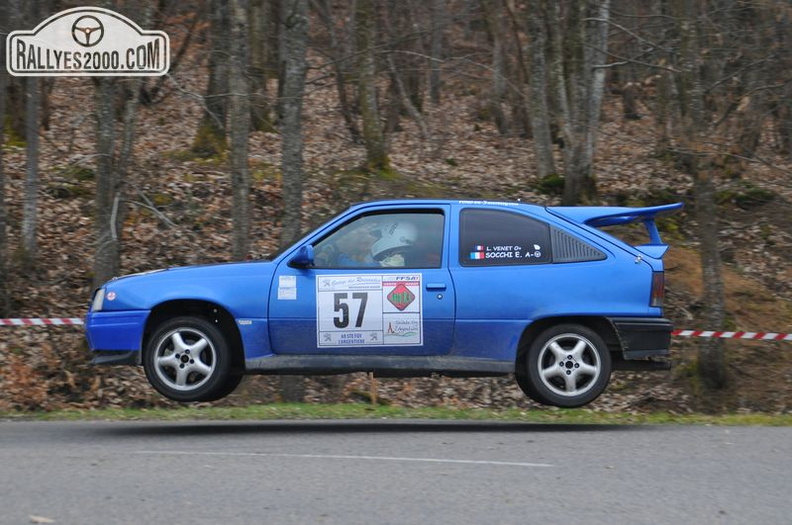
(369, 310)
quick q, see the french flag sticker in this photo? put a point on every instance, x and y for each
(475, 256)
(479, 248)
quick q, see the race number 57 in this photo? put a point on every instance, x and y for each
(341, 307)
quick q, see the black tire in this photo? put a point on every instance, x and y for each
(229, 386)
(188, 359)
(567, 366)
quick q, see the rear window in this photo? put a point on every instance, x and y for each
(502, 238)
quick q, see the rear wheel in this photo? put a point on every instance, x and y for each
(188, 359)
(567, 366)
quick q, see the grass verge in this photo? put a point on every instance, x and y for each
(360, 411)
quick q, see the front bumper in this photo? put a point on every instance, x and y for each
(115, 337)
(116, 357)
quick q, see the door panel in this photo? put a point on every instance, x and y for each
(359, 305)
(377, 312)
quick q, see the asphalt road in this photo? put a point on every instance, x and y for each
(410, 472)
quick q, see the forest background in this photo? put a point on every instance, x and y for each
(277, 114)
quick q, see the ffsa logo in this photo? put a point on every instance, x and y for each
(87, 41)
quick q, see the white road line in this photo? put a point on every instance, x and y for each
(326, 456)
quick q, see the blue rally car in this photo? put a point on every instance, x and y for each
(406, 288)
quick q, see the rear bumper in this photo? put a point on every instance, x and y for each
(642, 337)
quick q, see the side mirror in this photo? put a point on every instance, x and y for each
(304, 258)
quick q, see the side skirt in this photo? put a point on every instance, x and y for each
(380, 366)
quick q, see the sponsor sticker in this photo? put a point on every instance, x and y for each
(287, 288)
(369, 310)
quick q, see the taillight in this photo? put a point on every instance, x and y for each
(658, 289)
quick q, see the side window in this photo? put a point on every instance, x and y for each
(502, 238)
(390, 240)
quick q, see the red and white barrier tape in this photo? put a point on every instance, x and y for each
(50, 321)
(755, 336)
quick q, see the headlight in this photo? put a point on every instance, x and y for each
(98, 300)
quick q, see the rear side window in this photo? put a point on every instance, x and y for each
(502, 238)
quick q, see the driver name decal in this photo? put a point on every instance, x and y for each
(369, 310)
(511, 252)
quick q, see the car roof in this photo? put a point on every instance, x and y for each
(448, 202)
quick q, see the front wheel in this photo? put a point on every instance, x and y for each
(188, 359)
(567, 366)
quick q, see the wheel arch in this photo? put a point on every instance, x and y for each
(601, 325)
(208, 310)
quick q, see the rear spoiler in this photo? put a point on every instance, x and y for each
(599, 216)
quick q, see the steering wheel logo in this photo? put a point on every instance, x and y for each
(87, 31)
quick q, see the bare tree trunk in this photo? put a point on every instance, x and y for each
(30, 214)
(558, 78)
(111, 168)
(439, 17)
(4, 296)
(373, 136)
(663, 113)
(404, 97)
(210, 139)
(595, 53)
(294, 44)
(712, 362)
(404, 81)
(783, 114)
(239, 105)
(128, 132)
(124, 160)
(260, 14)
(14, 122)
(711, 358)
(538, 100)
(339, 73)
(15, 111)
(586, 86)
(402, 46)
(32, 114)
(295, 27)
(518, 92)
(108, 196)
(579, 46)
(782, 105)
(494, 13)
(751, 113)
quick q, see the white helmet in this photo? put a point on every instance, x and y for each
(395, 235)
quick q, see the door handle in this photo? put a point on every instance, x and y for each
(435, 286)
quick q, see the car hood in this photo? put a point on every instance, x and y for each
(195, 271)
(241, 284)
